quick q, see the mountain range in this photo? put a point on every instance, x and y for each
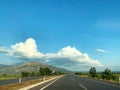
(27, 66)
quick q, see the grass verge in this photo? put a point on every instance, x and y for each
(23, 84)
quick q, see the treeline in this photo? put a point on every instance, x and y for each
(42, 72)
(107, 74)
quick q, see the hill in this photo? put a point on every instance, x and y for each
(27, 66)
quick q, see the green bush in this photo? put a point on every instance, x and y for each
(92, 72)
(108, 75)
(115, 78)
(78, 73)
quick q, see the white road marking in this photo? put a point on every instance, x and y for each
(48, 84)
(34, 85)
(82, 86)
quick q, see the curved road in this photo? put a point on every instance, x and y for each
(72, 82)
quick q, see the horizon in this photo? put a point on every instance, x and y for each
(57, 67)
(74, 35)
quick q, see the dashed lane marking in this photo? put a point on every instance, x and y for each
(82, 86)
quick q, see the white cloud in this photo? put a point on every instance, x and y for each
(3, 50)
(26, 49)
(68, 57)
(77, 56)
(101, 50)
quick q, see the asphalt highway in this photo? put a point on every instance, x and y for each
(72, 82)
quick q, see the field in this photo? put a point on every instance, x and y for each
(117, 75)
(8, 77)
(99, 77)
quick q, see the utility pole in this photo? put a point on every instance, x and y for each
(19, 80)
(44, 77)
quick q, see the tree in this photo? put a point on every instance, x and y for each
(45, 71)
(32, 74)
(107, 74)
(55, 73)
(4, 75)
(41, 70)
(38, 74)
(92, 71)
(24, 74)
(48, 71)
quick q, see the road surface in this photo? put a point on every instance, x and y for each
(72, 82)
(12, 81)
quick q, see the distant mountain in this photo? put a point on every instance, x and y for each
(3, 66)
(27, 66)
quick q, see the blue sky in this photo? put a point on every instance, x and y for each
(89, 26)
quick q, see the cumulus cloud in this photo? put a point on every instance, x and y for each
(67, 57)
(101, 50)
(26, 49)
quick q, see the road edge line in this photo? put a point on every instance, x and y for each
(34, 85)
(49, 84)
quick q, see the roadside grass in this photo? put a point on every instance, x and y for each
(17, 86)
(116, 78)
(99, 77)
(8, 77)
